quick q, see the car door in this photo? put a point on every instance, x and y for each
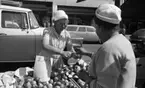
(72, 30)
(91, 34)
(82, 32)
(34, 26)
(17, 42)
(76, 39)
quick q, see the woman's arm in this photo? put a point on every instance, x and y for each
(69, 45)
(47, 46)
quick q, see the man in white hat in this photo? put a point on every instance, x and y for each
(114, 64)
(55, 40)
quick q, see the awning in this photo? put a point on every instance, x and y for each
(40, 0)
(38, 6)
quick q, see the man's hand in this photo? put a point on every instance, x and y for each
(80, 50)
(83, 51)
(84, 76)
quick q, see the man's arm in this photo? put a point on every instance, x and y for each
(83, 51)
(90, 54)
(128, 73)
(70, 47)
(47, 46)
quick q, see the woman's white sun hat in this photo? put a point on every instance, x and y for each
(109, 13)
(59, 14)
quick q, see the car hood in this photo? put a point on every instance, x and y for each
(139, 34)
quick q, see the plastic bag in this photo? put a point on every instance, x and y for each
(42, 68)
(7, 80)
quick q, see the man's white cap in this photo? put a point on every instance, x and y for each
(109, 13)
(59, 14)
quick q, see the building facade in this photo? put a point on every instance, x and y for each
(79, 13)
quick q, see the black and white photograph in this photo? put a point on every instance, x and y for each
(72, 44)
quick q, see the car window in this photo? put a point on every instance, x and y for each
(71, 28)
(81, 29)
(90, 29)
(33, 21)
(14, 20)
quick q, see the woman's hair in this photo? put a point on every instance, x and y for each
(106, 25)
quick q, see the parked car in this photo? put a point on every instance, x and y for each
(88, 33)
(138, 41)
(20, 35)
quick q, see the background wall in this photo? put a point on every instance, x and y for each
(86, 3)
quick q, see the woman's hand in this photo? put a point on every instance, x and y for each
(66, 54)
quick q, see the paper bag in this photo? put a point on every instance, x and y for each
(42, 68)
